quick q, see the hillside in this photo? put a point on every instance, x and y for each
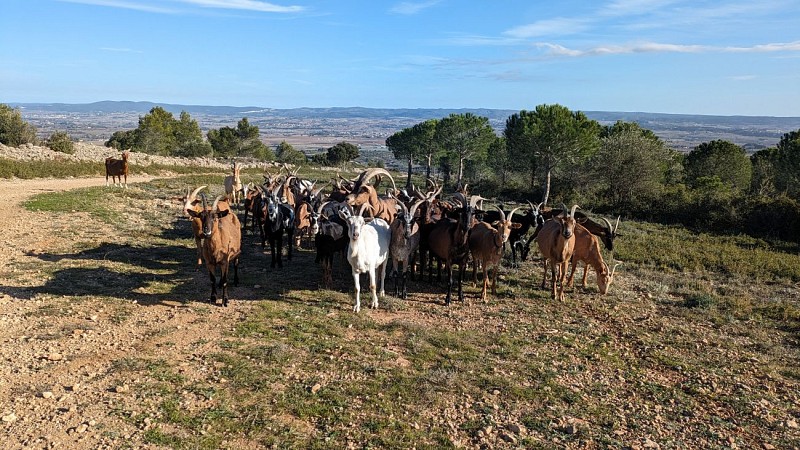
(312, 128)
(109, 342)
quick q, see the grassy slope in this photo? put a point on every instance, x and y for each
(696, 346)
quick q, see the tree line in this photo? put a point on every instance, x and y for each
(550, 155)
(553, 155)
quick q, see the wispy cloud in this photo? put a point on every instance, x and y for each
(411, 8)
(134, 5)
(656, 47)
(173, 6)
(743, 77)
(249, 5)
(474, 40)
(550, 27)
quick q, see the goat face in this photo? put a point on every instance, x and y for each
(208, 216)
(272, 208)
(408, 224)
(606, 277)
(355, 224)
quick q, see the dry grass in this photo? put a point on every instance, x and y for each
(689, 350)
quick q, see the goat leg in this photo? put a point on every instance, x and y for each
(462, 270)
(449, 284)
(373, 287)
(236, 272)
(382, 273)
(213, 298)
(357, 283)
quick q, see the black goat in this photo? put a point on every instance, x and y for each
(531, 219)
(279, 219)
(330, 237)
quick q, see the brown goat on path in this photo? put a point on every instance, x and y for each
(486, 246)
(587, 251)
(233, 186)
(221, 245)
(556, 242)
(116, 169)
(195, 204)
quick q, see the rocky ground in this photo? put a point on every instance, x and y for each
(71, 372)
(94, 152)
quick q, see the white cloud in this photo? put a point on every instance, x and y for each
(657, 47)
(549, 27)
(249, 5)
(134, 5)
(743, 77)
(410, 8)
(159, 7)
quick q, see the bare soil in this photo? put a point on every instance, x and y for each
(58, 383)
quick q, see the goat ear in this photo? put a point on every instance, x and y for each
(582, 219)
(516, 225)
(193, 213)
(223, 213)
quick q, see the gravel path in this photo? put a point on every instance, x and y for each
(61, 382)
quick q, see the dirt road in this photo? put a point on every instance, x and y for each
(64, 357)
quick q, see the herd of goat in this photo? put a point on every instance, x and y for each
(407, 227)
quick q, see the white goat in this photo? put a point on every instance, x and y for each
(368, 250)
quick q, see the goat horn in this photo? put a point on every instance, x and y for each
(192, 197)
(321, 207)
(502, 214)
(610, 228)
(216, 202)
(615, 268)
(474, 199)
(414, 207)
(461, 199)
(534, 209)
(403, 206)
(370, 173)
(617, 225)
(572, 211)
(363, 207)
(511, 214)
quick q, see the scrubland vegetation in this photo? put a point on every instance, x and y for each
(697, 344)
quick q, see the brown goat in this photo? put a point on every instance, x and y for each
(384, 208)
(448, 240)
(486, 247)
(195, 204)
(222, 243)
(117, 169)
(556, 242)
(587, 251)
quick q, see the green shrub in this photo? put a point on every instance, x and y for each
(61, 142)
(13, 130)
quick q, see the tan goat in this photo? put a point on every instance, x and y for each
(233, 186)
(195, 204)
(222, 243)
(486, 246)
(587, 251)
(556, 242)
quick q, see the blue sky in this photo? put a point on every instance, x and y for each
(737, 57)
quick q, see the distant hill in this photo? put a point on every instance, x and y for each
(259, 111)
(682, 131)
